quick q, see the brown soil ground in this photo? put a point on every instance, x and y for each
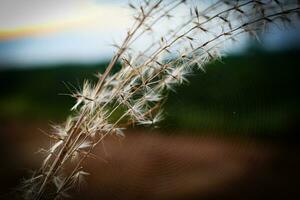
(156, 166)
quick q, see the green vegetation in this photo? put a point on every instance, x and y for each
(35, 93)
(254, 94)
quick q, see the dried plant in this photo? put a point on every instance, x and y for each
(135, 94)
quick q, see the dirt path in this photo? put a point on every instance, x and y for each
(155, 166)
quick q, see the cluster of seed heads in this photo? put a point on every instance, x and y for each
(194, 34)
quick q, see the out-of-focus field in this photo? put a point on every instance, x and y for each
(231, 133)
(254, 94)
(151, 165)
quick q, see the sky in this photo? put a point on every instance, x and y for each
(34, 32)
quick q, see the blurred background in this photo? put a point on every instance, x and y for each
(231, 133)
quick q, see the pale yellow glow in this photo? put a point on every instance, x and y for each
(86, 17)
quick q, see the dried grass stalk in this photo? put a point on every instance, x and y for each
(136, 92)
